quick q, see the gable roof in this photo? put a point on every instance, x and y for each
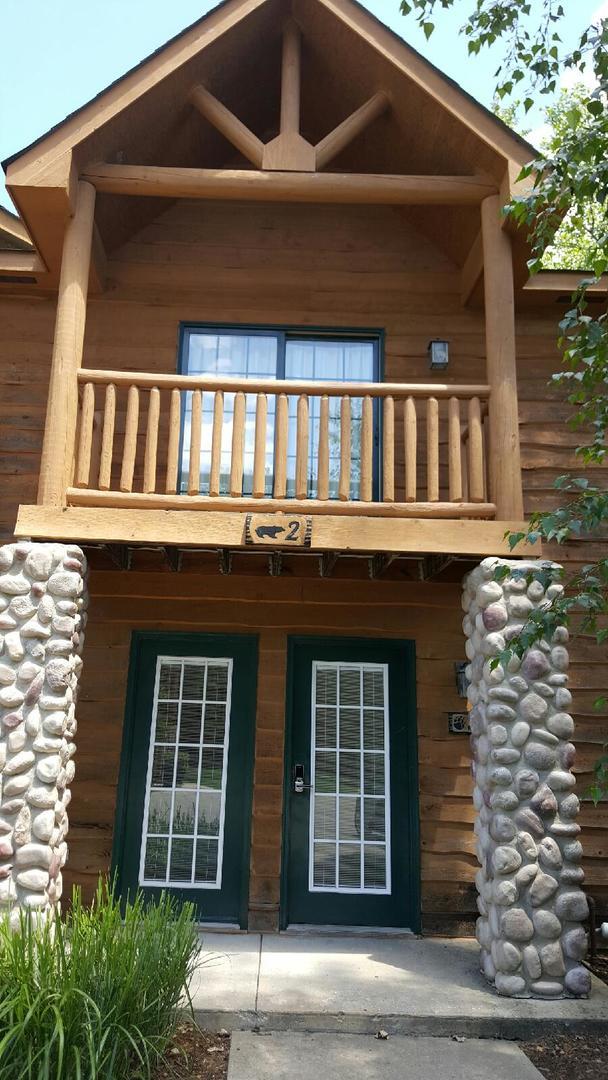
(505, 135)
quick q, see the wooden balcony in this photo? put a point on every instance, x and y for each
(186, 459)
(187, 443)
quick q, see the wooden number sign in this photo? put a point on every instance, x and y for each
(279, 530)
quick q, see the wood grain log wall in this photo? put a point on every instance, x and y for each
(312, 266)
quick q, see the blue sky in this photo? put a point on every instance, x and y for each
(65, 51)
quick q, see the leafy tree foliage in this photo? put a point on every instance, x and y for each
(565, 213)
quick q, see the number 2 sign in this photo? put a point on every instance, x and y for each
(278, 530)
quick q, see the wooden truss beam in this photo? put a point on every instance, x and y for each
(230, 126)
(379, 564)
(289, 150)
(225, 560)
(241, 184)
(173, 555)
(327, 562)
(431, 565)
(329, 147)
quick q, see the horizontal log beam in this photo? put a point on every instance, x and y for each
(243, 184)
(208, 529)
(164, 381)
(140, 500)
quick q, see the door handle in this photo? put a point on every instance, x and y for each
(297, 774)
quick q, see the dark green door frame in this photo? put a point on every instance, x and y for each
(400, 654)
(146, 646)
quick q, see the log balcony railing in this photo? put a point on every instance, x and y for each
(190, 442)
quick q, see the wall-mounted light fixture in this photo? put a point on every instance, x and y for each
(439, 354)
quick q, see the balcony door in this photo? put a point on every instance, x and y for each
(240, 352)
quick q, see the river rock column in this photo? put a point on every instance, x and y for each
(530, 899)
(42, 620)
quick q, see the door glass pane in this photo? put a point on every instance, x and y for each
(349, 818)
(237, 356)
(323, 360)
(186, 785)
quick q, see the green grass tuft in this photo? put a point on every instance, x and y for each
(94, 995)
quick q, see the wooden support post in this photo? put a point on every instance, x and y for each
(290, 79)
(505, 460)
(62, 403)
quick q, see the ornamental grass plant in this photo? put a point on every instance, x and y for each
(94, 994)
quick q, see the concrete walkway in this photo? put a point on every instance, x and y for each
(356, 985)
(285, 1055)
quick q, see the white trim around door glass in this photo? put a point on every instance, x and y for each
(165, 838)
(332, 844)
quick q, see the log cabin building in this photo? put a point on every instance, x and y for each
(271, 356)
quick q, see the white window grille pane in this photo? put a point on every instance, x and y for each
(349, 866)
(375, 826)
(350, 729)
(186, 785)
(159, 814)
(186, 772)
(209, 813)
(373, 729)
(180, 867)
(215, 722)
(350, 687)
(350, 818)
(190, 722)
(324, 865)
(157, 854)
(326, 727)
(326, 686)
(373, 774)
(184, 813)
(194, 682)
(206, 864)
(325, 772)
(374, 867)
(166, 721)
(350, 773)
(169, 683)
(212, 769)
(163, 766)
(342, 829)
(325, 817)
(217, 682)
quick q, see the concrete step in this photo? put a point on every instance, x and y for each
(357, 985)
(286, 1055)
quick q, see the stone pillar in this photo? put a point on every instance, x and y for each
(530, 899)
(42, 618)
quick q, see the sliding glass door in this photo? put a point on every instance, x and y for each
(270, 355)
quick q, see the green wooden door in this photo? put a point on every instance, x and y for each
(351, 836)
(184, 810)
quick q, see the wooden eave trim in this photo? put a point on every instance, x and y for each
(452, 98)
(14, 227)
(31, 166)
(564, 282)
(23, 263)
